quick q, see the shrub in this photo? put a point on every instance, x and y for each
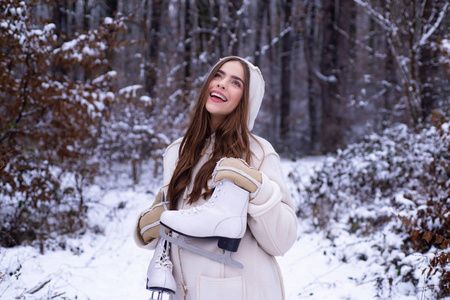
(400, 174)
(53, 91)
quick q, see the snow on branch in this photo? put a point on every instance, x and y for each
(324, 78)
(275, 40)
(433, 28)
(130, 91)
(377, 16)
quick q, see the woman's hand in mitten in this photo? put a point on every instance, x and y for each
(240, 173)
(149, 219)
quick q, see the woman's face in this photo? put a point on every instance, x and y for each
(225, 91)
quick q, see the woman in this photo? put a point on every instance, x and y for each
(219, 134)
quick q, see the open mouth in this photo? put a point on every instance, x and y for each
(218, 96)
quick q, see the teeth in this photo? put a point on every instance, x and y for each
(219, 96)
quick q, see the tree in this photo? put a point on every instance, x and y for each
(285, 78)
(48, 119)
(152, 51)
(410, 27)
(334, 63)
(310, 31)
(429, 60)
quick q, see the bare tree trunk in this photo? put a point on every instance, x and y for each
(235, 24)
(389, 67)
(60, 19)
(344, 65)
(332, 66)
(151, 72)
(86, 14)
(205, 15)
(331, 122)
(219, 30)
(258, 34)
(187, 47)
(427, 68)
(112, 7)
(285, 96)
(270, 55)
(313, 88)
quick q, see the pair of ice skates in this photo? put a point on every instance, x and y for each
(223, 216)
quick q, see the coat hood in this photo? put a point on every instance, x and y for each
(256, 90)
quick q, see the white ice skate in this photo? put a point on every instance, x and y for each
(223, 216)
(159, 273)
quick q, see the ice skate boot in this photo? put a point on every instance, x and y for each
(223, 216)
(159, 273)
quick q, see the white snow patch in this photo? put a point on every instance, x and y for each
(110, 266)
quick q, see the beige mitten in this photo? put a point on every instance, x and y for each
(240, 173)
(149, 220)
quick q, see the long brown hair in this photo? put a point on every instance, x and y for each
(232, 139)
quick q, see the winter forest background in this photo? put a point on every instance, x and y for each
(86, 85)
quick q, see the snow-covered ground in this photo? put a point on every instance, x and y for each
(109, 266)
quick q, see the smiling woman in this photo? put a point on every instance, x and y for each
(226, 192)
(225, 91)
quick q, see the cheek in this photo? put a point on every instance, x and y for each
(237, 95)
(234, 104)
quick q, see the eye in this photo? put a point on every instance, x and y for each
(218, 75)
(237, 83)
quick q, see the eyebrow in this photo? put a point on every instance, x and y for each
(232, 76)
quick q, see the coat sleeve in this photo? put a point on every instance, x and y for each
(272, 219)
(170, 157)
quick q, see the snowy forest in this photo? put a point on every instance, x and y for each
(357, 104)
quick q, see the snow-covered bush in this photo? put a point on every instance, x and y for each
(133, 133)
(398, 182)
(51, 102)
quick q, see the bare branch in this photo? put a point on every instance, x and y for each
(359, 43)
(433, 28)
(38, 287)
(275, 40)
(377, 16)
(324, 78)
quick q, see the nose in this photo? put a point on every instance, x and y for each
(221, 84)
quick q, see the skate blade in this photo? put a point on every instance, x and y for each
(161, 295)
(161, 290)
(222, 258)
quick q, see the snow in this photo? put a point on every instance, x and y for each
(108, 20)
(435, 26)
(130, 90)
(145, 99)
(105, 263)
(92, 266)
(324, 78)
(107, 75)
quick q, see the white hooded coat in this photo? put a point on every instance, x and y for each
(271, 228)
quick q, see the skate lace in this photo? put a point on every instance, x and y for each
(200, 208)
(164, 262)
